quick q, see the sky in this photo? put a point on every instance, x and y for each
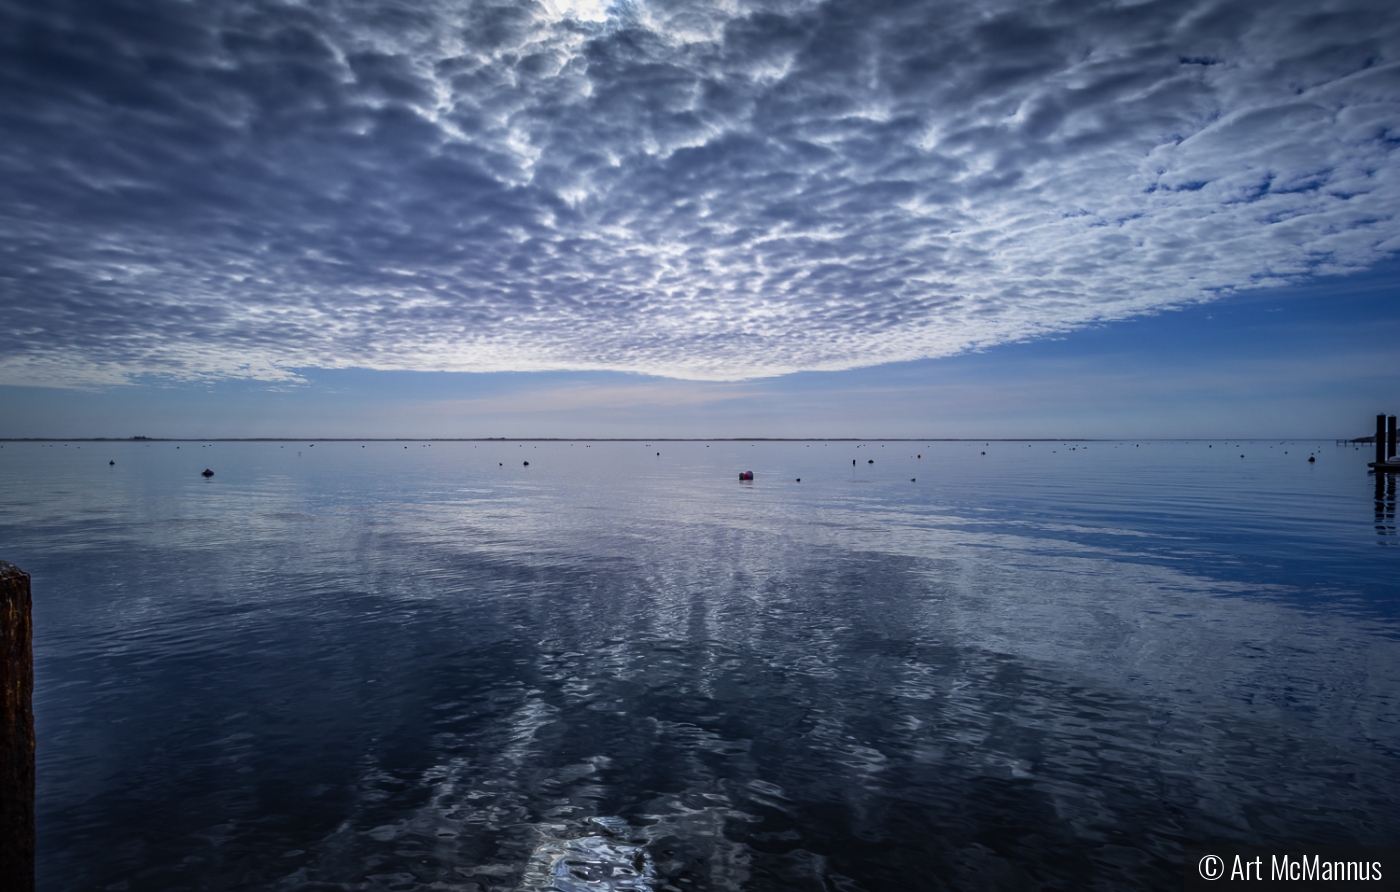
(341, 218)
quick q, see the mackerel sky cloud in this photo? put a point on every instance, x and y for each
(700, 190)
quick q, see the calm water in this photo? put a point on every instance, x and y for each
(383, 666)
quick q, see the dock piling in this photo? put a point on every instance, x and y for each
(1380, 439)
(16, 731)
(1391, 437)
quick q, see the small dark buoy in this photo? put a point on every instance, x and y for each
(799, 479)
(920, 455)
(911, 479)
(499, 464)
(871, 461)
(853, 463)
(207, 473)
(1241, 456)
(984, 453)
(746, 475)
(111, 462)
(1311, 459)
(527, 464)
(658, 453)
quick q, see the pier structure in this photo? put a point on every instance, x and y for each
(16, 731)
(1387, 461)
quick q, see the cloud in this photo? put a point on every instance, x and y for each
(700, 190)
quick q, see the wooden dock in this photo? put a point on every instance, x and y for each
(1386, 461)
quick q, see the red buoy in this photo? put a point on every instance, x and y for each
(746, 475)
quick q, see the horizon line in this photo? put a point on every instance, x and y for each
(1368, 438)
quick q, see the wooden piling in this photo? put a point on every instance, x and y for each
(1391, 450)
(16, 731)
(1380, 439)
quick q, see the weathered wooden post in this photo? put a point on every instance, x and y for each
(1380, 440)
(16, 731)
(1391, 450)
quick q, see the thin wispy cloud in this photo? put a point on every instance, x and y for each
(701, 190)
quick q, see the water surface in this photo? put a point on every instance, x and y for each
(402, 666)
